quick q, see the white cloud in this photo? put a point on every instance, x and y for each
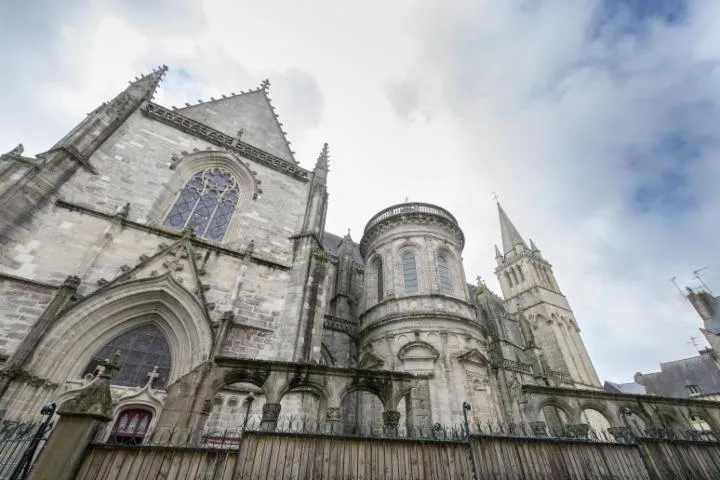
(509, 96)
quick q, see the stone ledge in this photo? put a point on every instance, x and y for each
(167, 233)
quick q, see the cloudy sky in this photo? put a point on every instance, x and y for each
(596, 121)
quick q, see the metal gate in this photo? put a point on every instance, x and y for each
(20, 442)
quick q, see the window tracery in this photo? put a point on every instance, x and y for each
(206, 204)
(141, 349)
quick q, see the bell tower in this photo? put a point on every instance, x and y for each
(529, 287)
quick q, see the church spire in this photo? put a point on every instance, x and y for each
(510, 235)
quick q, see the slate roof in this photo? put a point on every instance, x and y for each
(632, 388)
(673, 377)
(332, 242)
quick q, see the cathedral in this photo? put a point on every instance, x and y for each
(192, 243)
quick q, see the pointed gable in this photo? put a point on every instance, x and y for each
(250, 113)
(178, 261)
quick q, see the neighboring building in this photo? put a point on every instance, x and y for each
(695, 377)
(192, 241)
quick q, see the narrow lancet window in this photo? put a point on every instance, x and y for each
(444, 275)
(206, 204)
(380, 279)
(410, 276)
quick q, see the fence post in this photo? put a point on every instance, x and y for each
(80, 418)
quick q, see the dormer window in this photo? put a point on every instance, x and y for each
(693, 390)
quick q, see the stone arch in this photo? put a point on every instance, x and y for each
(82, 330)
(557, 413)
(306, 402)
(189, 165)
(612, 419)
(637, 419)
(669, 418)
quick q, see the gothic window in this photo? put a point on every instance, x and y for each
(141, 349)
(131, 427)
(380, 279)
(520, 272)
(444, 275)
(206, 204)
(508, 279)
(514, 276)
(410, 277)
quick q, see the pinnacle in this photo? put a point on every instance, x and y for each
(324, 158)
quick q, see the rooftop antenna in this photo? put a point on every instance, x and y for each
(677, 286)
(697, 273)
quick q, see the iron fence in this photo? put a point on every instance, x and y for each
(230, 436)
(16, 439)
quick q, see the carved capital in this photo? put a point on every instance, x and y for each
(332, 414)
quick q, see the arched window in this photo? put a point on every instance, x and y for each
(520, 272)
(514, 276)
(508, 279)
(380, 279)
(444, 275)
(141, 349)
(206, 203)
(410, 277)
(131, 427)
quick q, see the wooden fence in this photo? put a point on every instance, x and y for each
(309, 456)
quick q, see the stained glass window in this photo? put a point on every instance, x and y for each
(131, 427)
(444, 275)
(141, 349)
(206, 203)
(410, 272)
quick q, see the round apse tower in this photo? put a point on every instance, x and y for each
(416, 315)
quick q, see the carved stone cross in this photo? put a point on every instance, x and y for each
(152, 376)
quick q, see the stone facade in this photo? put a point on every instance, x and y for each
(274, 316)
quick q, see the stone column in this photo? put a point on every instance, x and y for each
(270, 415)
(80, 419)
(391, 419)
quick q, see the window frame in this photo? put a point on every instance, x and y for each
(407, 274)
(440, 264)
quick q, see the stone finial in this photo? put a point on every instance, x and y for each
(265, 85)
(17, 151)
(323, 160)
(72, 281)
